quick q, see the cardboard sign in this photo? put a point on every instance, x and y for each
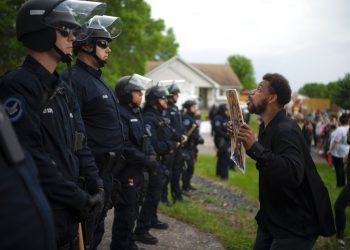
(236, 117)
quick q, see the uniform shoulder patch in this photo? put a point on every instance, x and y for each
(14, 107)
(187, 122)
(217, 123)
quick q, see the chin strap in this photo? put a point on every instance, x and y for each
(100, 63)
(158, 106)
(66, 58)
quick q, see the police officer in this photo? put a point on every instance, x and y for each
(46, 115)
(175, 117)
(24, 208)
(140, 157)
(222, 141)
(99, 108)
(163, 144)
(190, 148)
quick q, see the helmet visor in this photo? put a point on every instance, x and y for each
(171, 85)
(111, 26)
(140, 82)
(70, 15)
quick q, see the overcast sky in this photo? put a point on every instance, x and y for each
(305, 40)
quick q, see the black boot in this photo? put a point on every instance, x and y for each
(146, 238)
(160, 225)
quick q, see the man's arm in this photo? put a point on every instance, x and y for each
(284, 162)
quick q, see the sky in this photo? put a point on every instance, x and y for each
(304, 40)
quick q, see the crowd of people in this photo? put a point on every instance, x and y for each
(72, 148)
(329, 136)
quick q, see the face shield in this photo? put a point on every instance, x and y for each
(171, 85)
(70, 15)
(108, 26)
(137, 82)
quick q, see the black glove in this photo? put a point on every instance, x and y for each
(185, 156)
(165, 171)
(152, 165)
(97, 201)
(201, 140)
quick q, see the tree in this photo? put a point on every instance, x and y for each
(340, 95)
(244, 69)
(11, 51)
(142, 39)
(315, 90)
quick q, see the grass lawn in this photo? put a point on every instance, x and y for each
(236, 230)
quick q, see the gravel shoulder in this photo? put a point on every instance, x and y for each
(182, 236)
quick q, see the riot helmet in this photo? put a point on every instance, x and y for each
(98, 28)
(156, 92)
(222, 108)
(174, 89)
(171, 85)
(127, 84)
(37, 21)
(188, 104)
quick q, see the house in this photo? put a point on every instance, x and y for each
(203, 82)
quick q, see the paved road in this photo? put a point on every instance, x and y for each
(179, 236)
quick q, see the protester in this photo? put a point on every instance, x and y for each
(339, 148)
(294, 204)
(341, 203)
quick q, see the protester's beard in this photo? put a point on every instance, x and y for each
(258, 108)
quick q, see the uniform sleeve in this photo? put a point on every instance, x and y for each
(88, 168)
(219, 129)
(285, 164)
(132, 153)
(160, 145)
(24, 106)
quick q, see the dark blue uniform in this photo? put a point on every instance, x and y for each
(46, 117)
(222, 143)
(190, 149)
(163, 143)
(131, 178)
(174, 114)
(99, 110)
(24, 209)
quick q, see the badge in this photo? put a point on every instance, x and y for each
(187, 122)
(14, 108)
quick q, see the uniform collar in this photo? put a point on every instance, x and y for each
(96, 73)
(131, 108)
(49, 80)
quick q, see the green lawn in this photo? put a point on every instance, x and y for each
(236, 230)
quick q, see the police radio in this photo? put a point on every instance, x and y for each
(8, 140)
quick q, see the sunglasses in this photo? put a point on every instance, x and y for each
(102, 44)
(65, 31)
(164, 97)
